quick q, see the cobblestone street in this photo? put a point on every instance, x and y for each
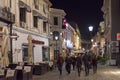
(104, 73)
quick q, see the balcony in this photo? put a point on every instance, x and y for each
(6, 16)
(23, 25)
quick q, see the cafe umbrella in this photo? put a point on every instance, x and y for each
(5, 50)
(30, 49)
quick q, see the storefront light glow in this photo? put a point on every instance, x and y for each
(51, 33)
(95, 44)
(61, 34)
(67, 24)
(91, 40)
(69, 44)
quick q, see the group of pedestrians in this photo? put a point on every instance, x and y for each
(78, 62)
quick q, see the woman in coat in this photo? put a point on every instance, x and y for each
(60, 62)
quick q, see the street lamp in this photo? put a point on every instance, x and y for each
(12, 36)
(56, 38)
(90, 29)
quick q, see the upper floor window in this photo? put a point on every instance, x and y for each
(55, 20)
(24, 5)
(22, 15)
(44, 26)
(44, 9)
(36, 3)
(35, 21)
(10, 3)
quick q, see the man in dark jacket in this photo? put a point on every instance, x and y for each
(94, 63)
(86, 61)
(79, 63)
(68, 62)
(73, 61)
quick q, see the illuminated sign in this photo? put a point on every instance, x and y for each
(118, 36)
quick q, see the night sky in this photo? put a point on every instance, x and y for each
(83, 12)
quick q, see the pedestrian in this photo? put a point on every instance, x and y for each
(79, 64)
(60, 62)
(68, 62)
(86, 63)
(73, 61)
(94, 63)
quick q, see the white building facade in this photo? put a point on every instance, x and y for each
(31, 24)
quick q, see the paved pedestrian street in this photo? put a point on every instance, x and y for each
(104, 73)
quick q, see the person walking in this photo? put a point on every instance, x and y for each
(68, 62)
(79, 63)
(60, 62)
(86, 63)
(73, 61)
(94, 63)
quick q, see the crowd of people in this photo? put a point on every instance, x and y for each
(78, 62)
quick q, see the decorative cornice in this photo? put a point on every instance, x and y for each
(48, 2)
(57, 11)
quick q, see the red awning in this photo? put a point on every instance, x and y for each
(37, 42)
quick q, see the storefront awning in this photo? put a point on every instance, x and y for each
(23, 5)
(37, 42)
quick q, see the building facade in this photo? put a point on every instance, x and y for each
(111, 9)
(7, 19)
(77, 47)
(71, 38)
(56, 17)
(32, 28)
